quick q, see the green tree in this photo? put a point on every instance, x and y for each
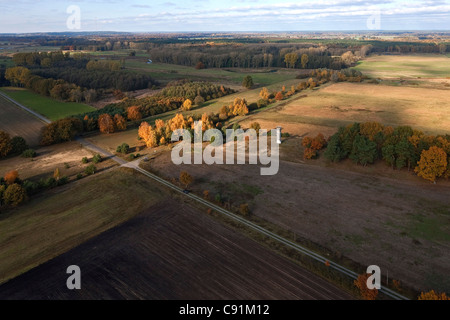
(247, 82)
(18, 145)
(14, 195)
(364, 151)
(334, 151)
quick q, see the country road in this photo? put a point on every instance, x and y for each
(392, 294)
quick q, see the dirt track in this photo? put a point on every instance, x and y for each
(171, 251)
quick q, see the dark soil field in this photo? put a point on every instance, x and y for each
(18, 122)
(171, 251)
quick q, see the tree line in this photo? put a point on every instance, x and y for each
(400, 147)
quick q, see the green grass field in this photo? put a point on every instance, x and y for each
(56, 221)
(261, 77)
(411, 66)
(52, 109)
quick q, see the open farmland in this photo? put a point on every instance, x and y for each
(52, 109)
(326, 109)
(60, 219)
(412, 66)
(172, 251)
(399, 225)
(18, 122)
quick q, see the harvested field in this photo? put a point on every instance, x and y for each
(406, 66)
(18, 122)
(171, 251)
(344, 103)
(400, 225)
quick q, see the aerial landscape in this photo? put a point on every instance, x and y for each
(249, 150)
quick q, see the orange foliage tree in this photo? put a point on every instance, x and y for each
(134, 113)
(361, 284)
(432, 164)
(279, 96)
(106, 123)
(11, 176)
(120, 122)
(186, 178)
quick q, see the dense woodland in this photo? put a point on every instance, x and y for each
(74, 78)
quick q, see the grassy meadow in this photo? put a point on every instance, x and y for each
(52, 109)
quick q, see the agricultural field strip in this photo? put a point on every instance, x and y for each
(37, 115)
(231, 215)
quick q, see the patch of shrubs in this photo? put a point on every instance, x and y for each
(29, 153)
(123, 148)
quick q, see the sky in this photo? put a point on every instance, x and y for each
(24, 16)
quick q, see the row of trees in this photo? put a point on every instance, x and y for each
(401, 147)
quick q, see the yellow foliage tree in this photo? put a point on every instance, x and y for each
(432, 164)
(187, 105)
(432, 295)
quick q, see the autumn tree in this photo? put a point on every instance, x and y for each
(247, 82)
(199, 100)
(11, 176)
(200, 65)
(264, 93)
(244, 209)
(14, 195)
(432, 164)
(5, 144)
(255, 126)
(134, 113)
(148, 134)
(279, 96)
(291, 59)
(187, 105)
(361, 284)
(56, 174)
(432, 295)
(186, 179)
(120, 122)
(240, 107)
(304, 60)
(106, 123)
